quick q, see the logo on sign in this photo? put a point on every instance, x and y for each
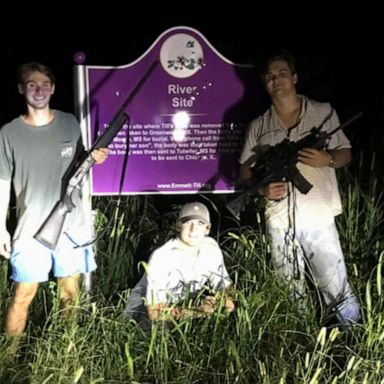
(181, 55)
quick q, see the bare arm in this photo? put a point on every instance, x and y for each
(5, 238)
(341, 157)
(246, 175)
(229, 302)
(210, 302)
(163, 312)
(335, 158)
(272, 191)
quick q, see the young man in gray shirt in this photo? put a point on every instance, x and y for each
(36, 150)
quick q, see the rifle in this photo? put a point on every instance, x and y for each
(50, 231)
(279, 164)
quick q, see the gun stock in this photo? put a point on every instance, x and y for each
(235, 205)
(50, 231)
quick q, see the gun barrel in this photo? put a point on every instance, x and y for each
(349, 121)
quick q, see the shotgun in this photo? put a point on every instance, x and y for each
(50, 231)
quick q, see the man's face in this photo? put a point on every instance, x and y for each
(37, 90)
(192, 232)
(279, 79)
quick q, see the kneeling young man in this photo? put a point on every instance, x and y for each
(183, 267)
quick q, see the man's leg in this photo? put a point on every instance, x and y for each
(288, 259)
(325, 256)
(17, 313)
(68, 292)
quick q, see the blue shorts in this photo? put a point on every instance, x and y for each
(32, 261)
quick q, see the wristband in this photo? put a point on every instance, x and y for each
(331, 162)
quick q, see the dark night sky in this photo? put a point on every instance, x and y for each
(340, 53)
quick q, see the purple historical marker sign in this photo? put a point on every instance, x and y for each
(187, 121)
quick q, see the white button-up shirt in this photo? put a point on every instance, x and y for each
(322, 202)
(174, 271)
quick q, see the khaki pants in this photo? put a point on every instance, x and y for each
(320, 249)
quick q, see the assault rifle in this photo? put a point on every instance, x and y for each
(279, 164)
(49, 232)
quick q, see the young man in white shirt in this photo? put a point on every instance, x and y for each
(301, 227)
(184, 266)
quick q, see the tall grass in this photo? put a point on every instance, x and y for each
(268, 339)
(121, 224)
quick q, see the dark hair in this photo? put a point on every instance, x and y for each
(33, 66)
(283, 55)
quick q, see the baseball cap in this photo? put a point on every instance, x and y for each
(194, 210)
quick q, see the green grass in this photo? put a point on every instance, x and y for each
(267, 340)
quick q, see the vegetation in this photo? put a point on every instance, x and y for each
(267, 340)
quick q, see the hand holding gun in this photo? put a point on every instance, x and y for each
(50, 231)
